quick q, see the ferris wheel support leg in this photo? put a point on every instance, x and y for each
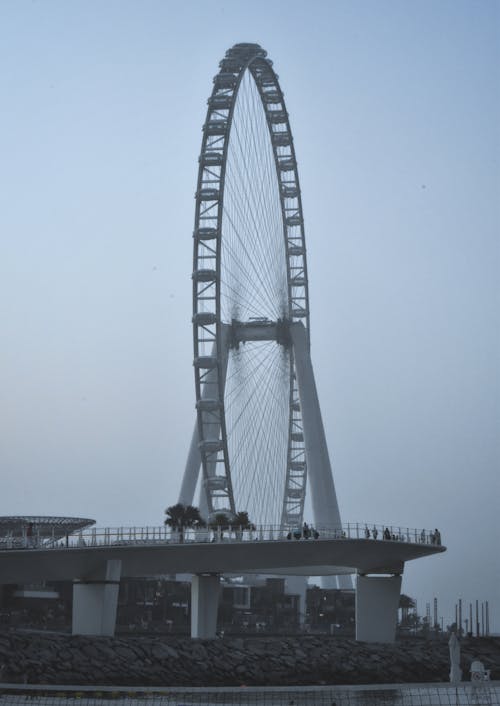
(192, 470)
(319, 471)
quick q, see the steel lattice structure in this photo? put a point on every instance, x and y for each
(259, 433)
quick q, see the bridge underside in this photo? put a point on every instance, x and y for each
(96, 572)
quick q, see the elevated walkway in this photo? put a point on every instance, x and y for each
(96, 560)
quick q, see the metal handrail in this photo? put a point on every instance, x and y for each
(163, 534)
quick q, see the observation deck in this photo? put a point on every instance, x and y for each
(96, 559)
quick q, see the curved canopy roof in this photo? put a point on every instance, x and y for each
(44, 526)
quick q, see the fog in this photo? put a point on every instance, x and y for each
(394, 108)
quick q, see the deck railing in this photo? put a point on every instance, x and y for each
(163, 534)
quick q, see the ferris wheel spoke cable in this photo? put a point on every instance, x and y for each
(255, 468)
(247, 195)
(264, 262)
(253, 359)
(240, 414)
(252, 274)
(253, 381)
(247, 275)
(237, 297)
(253, 257)
(251, 375)
(270, 412)
(268, 442)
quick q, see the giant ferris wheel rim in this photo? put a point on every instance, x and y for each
(253, 54)
(208, 324)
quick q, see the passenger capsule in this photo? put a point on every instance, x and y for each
(204, 318)
(281, 139)
(286, 164)
(208, 194)
(225, 80)
(205, 362)
(211, 445)
(211, 159)
(204, 275)
(215, 127)
(220, 102)
(208, 405)
(206, 233)
(289, 192)
(271, 97)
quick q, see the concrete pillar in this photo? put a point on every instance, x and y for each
(95, 601)
(377, 601)
(297, 585)
(205, 590)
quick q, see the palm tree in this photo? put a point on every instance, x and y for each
(406, 603)
(242, 521)
(180, 516)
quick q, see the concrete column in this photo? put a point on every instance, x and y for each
(205, 590)
(377, 601)
(95, 601)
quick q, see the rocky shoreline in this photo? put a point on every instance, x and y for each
(38, 658)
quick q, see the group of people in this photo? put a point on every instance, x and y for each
(386, 534)
(303, 533)
(373, 533)
(434, 537)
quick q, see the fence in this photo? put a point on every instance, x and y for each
(163, 534)
(386, 695)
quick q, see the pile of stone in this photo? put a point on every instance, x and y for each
(40, 658)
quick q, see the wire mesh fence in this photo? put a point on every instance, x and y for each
(401, 695)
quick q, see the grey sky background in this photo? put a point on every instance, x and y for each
(395, 110)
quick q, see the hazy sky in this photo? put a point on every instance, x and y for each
(395, 110)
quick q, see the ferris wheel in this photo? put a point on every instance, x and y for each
(259, 438)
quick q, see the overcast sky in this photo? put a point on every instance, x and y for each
(394, 107)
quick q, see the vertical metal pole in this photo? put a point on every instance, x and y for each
(460, 617)
(477, 618)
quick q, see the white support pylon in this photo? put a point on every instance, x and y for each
(319, 471)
